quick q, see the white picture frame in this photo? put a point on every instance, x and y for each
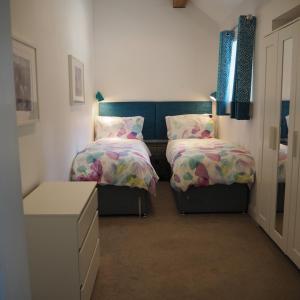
(76, 80)
(25, 80)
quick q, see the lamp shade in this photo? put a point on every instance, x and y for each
(99, 96)
(213, 96)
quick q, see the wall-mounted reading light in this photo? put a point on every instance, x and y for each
(99, 96)
(213, 96)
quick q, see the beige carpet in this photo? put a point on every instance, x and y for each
(170, 256)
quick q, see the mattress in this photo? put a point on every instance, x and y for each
(204, 162)
(115, 161)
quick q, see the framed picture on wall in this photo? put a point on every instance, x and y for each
(76, 78)
(25, 79)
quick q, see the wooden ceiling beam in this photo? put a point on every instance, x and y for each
(180, 3)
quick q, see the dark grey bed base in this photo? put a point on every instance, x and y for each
(121, 200)
(217, 198)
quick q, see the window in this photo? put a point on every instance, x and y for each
(231, 76)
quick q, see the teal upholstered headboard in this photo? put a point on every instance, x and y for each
(154, 113)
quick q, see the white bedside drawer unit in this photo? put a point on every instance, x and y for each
(88, 248)
(63, 240)
(87, 217)
(87, 288)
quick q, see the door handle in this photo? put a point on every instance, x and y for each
(295, 144)
(273, 138)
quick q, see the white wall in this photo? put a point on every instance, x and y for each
(249, 133)
(56, 28)
(147, 50)
(144, 50)
(14, 279)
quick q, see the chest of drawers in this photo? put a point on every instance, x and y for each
(63, 240)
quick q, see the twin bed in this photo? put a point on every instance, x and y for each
(208, 174)
(119, 161)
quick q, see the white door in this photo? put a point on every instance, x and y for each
(293, 250)
(283, 141)
(266, 182)
(14, 277)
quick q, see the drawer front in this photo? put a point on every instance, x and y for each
(88, 248)
(87, 217)
(87, 288)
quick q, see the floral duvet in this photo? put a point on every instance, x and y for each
(203, 162)
(116, 161)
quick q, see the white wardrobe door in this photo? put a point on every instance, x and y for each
(286, 78)
(294, 224)
(293, 250)
(266, 182)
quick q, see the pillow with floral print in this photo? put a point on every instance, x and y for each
(119, 127)
(200, 126)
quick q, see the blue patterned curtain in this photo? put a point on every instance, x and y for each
(240, 106)
(225, 48)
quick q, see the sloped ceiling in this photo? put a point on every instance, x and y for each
(220, 10)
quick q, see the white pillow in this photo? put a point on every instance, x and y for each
(121, 127)
(198, 126)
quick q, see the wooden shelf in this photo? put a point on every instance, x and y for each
(285, 18)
